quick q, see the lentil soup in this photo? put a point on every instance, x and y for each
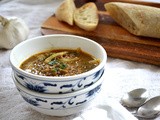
(60, 62)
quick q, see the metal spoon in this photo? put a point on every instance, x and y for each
(135, 98)
(151, 108)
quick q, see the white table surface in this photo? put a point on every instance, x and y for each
(121, 75)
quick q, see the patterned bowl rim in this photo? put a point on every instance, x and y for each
(53, 95)
(100, 66)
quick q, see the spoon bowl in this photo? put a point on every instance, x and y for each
(150, 109)
(135, 98)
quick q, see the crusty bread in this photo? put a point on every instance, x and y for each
(65, 11)
(139, 20)
(86, 17)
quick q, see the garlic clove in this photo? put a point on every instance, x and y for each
(13, 31)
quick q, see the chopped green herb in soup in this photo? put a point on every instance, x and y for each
(62, 62)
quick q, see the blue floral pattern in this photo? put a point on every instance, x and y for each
(92, 92)
(30, 101)
(35, 88)
(63, 86)
(57, 104)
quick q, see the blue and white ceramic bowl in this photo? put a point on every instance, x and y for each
(60, 104)
(44, 84)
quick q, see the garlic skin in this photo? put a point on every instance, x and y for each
(13, 31)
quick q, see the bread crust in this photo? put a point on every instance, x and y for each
(86, 17)
(139, 20)
(65, 11)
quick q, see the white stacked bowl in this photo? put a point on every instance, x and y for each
(52, 95)
(60, 104)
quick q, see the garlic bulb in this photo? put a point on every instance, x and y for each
(12, 32)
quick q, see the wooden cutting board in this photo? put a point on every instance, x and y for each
(117, 41)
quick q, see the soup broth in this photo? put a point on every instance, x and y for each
(61, 62)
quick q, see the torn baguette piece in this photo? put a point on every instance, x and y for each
(86, 17)
(139, 20)
(65, 11)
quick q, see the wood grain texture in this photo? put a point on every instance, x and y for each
(117, 41)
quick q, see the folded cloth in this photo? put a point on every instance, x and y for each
(111, 110)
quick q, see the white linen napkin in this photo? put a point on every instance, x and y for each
(111, 110)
